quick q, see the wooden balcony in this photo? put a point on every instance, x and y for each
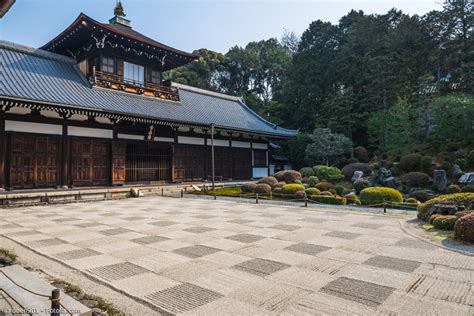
(162, 91)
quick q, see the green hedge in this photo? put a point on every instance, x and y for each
(444, 222)
(460, 199)
(312, 191)
(334, 200)
(292, 188)
(377, 195)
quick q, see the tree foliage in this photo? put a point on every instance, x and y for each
(327, 147)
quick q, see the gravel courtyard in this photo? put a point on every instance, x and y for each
(217, 257)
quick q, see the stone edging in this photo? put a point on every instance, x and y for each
(409, 230)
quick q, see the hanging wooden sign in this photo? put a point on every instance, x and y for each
(150, 133)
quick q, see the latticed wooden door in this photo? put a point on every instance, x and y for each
(90, 162)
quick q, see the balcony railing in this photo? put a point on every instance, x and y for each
(161, 91)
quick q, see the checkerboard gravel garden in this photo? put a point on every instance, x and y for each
(191, 256)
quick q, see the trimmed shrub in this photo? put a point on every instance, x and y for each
(377, 195)
(262, 188)
(464, 228)
(352, 199)
(446, 165)
(460, 199)
(307, 172)
(468, 188)
(361, 184)
(271, 181)
(411, 162)
(426, 164)
(444, 222)
(339, 189)
(462, 163)
(334, 200)
(470, 159)
(292, 188)
(416, 179)
(326, 193)
(333, 191)
(349, 170)
(324, 186)
(462, 213)
(331, 174)
(248, 187)
(312, 181)
(420, 195)
(288, 176)
(361, 154)
(280, 184)
(277, 190)
(412, 200)
(453, 189)
(298, 182)
(299, 195)
(312, 191)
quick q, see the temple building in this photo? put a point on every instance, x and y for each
(91, 108)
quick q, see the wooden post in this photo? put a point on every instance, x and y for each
(55, 303)
(65, 155)
(256, 198)
(206, 153)
(384, 206)
(3, 149)
(213, 158)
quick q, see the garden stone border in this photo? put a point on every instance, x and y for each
(409, 226)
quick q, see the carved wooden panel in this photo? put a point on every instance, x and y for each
(118, 162)
(90, 162)
(34, 161)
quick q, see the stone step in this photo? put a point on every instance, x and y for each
(28, 301)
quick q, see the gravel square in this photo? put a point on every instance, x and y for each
(118, 271)
(366, 293)
(289, 228)
(393, 263)
(183, 297)
(343, 235)
(245, 238)
(115, 231)
(196, 251)
(199, 229)
(367, 225)
(149, 240)
(413, 243)
(77, 254)
(65, 219)
(46, 242)
(308, 249)
(240, 221)
(87, 225)
(163, 223)
(261, 267)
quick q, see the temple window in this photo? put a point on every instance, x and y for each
(156, 76)
(108, 65)
(133, 73)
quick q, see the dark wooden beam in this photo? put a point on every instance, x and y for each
(65, 161)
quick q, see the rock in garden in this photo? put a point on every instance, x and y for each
(440, 180)
(467, 178)
(357, 175)
(382, 175)
(391, 182)
(135, 193)
(456, 172)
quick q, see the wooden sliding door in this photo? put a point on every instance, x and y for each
(90, 161)
(189, 162)
(148, 162)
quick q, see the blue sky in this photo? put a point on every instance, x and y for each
(192, 24)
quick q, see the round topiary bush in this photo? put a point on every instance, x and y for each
(444, 222)
(271, 181)
(326, 193)
(465, 200)
(262, 188)
(361, 184)
(312, 191)
(331, 174)
(416, 179)
(426, 164)
(299, 195)
(339, 189)
(288, 176)
(307, 172)
(411, 162)
(361, 154)
(463, 213)
(277, 190)
(349, 169)
(462, 163)
(453, 189)
(378, 195)
(292, 188)
(470, 159)
(468, 188)
(420, 195)
(248, 187)
(335, 200)
(324, 186)
(464, 228)
(312, 181)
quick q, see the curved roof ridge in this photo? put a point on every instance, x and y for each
(207, 92)
(35, 51)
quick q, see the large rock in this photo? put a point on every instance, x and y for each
(440, 180)
(467, 178)
(357, 175)
(391, 182)
(456, 172)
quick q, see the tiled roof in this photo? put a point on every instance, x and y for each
(40, 76)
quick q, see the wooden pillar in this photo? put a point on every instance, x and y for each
(206, 153)
(3, 150)
(65, 161)
(251, 152)
(175, 136)
(268, 158)
(232, 173)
